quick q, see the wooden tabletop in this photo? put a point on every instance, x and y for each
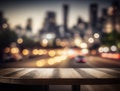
(59, 76)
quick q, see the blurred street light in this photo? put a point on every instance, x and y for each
(103, 49)
(85, 51)
(51, 61)
(51, 53)
(108, 28)
(83, 45)
(44, 42)
(50, 36)
(14, 50)
(113, 48)
(100, 49)
(77, 41)
(90, 40)
(106, 49)
(40, 63)
(96, 35)
(19, 40)
(35, 52)
(25, 52)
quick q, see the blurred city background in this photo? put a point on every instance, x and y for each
(53, 33)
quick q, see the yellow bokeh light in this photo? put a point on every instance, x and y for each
(83, 45)
(51, 61)
(40, 63)
(25, 52)
(108, 28)
(44, 51)
(59, 52)
(20, 41)
(35, 52)
(44, 42)
(57, 59)
(77, 41)
(40, 52)
(85, 51)
(51, 53)
(14, 50)
(63, 57)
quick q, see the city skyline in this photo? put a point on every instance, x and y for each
(17, 12)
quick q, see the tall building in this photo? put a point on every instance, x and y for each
(65, 13)
(50, 23)
(29, 25)
(116, 15)
(116, 7)
(3, 22)
(104, 13)
(93, 16)
(51, 18)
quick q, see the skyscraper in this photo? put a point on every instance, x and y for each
(51, 18)
(104, 13)
(50, 23)
(93, 16)
(65, 13)
(29, 25)
(116, 7)
(116, 15)
(3, 22)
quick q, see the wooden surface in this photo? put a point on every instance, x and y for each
(59, 76)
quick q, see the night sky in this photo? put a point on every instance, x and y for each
(18, 11)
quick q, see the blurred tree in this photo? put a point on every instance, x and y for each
(28, 43)
(110, 39)
(6, 38)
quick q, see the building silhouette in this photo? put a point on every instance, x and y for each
(50, 25)
(104, 13)
(116, 7)
(65, 17)
(29, 25)
(94, 16)
(3, 22)
(116, 15)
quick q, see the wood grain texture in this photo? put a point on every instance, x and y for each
(60, 76)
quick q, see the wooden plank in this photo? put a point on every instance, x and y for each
(44, 73)
(20, 73)
(110, 71)
(39, 73)
(84, 74)
(9, 70)
(97, 73)
(69, 73)
(59, 76)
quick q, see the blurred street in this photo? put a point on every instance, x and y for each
(92, 61)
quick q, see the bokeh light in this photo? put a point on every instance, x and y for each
(25, 52)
